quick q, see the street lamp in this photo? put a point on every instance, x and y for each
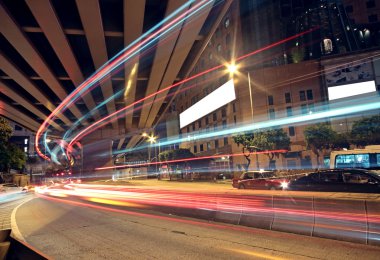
(233, 68)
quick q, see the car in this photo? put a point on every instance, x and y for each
(339, 180)
(259, 180)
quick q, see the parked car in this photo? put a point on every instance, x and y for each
(259, 180)
(339, 180)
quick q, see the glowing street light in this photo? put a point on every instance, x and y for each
(232, 68)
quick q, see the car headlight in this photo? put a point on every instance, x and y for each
(284, 185)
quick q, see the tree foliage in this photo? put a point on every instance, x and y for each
(11, 156)
(366, 131)
(5, 130)
(177, 154)
(320, 137)
(269, 140)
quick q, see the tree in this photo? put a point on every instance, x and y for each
(320, 137)
(246, 141)
(271, 141)
(6, 130)
(177, 154)
(366, 131)
(11, 156)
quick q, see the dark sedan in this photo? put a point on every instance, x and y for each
(339, 180)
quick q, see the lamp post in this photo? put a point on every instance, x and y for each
(151, 139)
(233, 68)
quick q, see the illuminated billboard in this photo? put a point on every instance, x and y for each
(216, 99)
(350, 90)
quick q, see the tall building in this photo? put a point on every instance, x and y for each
(280, 79)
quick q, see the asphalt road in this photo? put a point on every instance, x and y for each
(66, 231)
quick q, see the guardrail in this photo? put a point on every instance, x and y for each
(353, 220)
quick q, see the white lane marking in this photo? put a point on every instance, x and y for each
(15, 231)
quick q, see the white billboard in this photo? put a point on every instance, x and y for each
(216, 99)
(350, 90)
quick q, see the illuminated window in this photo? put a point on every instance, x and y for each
(227, 22)
(25, 141)
(208, 146)
(26, 149)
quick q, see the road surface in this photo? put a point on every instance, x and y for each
(83, 230)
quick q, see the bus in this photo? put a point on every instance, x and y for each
(367, 158)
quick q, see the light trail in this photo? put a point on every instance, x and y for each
(83, 133)
(121, 58)
(332, 110)
(188, 159)
(247, 205)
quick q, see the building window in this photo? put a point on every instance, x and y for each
(208, 146)
(216, 144)
(25, 141)
(215, 127)
(371, 4)
(224, 112)
(272, 114)
(225, 140)
(199, 123)
(292, 131)
(195, 149)
(201, 148)
(235, 120)
(224, 124)
(227, 22)
(349, 9)
(303, 109)
(25, 149)
(288, 99)
(193, 126)
(18, 128)
(206, 120)
(233, 108)
(210, 56)
(270, 100)
(219, 48)
(309, 94)
(289, 111)
(214, 117)
(188, 129)
(302, 95)
(372, 18)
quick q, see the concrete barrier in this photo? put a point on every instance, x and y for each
(294, 215)
(260, 214)
(340, 219)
